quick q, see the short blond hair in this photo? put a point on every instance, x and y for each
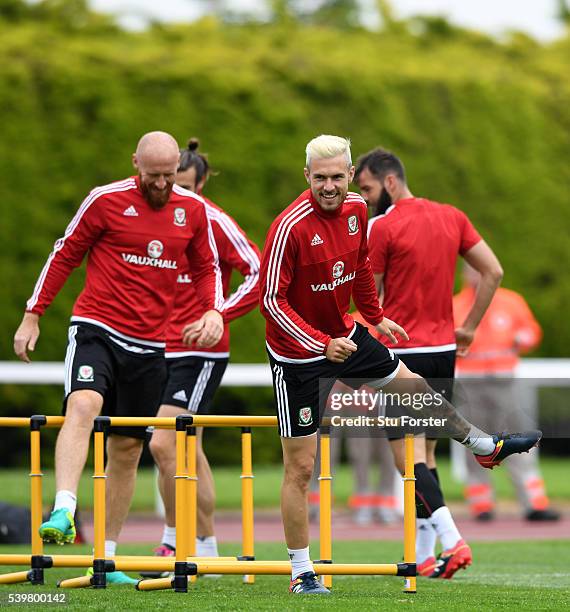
(326, 146)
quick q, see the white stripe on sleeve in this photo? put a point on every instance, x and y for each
(274, 268)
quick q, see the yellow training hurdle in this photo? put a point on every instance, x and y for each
(185, 565)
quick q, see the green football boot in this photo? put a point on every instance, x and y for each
(59, 528)
(115, 577)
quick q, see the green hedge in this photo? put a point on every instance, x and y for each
(479, 124)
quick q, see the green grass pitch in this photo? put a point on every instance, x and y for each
(14, 484)
(505, 576)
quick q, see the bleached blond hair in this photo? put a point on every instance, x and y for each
(326, 146)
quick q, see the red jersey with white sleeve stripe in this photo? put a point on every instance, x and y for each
(312, 264)
(134, 256)
(235, 251)
(415, 246)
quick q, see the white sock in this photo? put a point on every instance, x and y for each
(425, 540)
(479, 442)
(444, 525)
(207, 547)
(67, 500)
(169, 536)
(300, 561)
(110, 548)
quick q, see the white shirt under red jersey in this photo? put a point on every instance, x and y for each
(134, 257)
(235, 251)
(312, 264)
(415, 245)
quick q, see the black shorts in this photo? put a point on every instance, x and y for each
(437, 368)
(192, 382)
(301, 389)
(439, 371)
(130, 376)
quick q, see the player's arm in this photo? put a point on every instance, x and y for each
(340, 349)
(379, 282)
(481, 258)
(68, 253)
(27, 335)
(277, 268)
(236, 249)
(202, 255)
(528, 332)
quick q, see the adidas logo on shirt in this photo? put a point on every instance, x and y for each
(180, 395)
(131, 211)
(316, 240)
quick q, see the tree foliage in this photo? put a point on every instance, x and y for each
(481, 124)
(61, 14)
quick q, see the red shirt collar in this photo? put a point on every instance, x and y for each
(406, 201)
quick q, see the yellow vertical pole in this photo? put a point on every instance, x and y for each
(99, 510)
(99, 495)
(36, 574)
(181, 482)
(191, 494)
(248, 551)
(325, 507)
(180, 581)
(409, 512)
(35, 488)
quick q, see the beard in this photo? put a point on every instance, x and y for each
(156, 198)
(383, 204)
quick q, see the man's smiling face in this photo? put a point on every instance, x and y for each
(329, 179)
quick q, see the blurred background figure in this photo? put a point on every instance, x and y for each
(368, 502)
(488, 385)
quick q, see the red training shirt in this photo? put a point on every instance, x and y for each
(415, 245)
(235, 251)
(134, 257)
(312, 264)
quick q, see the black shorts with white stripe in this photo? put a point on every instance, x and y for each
(192, 382)
(437, 368)
(129, 375)
(439, 371)
(301, 389)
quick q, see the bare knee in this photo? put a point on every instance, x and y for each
(408, 382)
(201, 459)
(82, 408)
(300, 471)
(400, 465)
(162, 447)
(418, 384)
(430, 453)
(397, 447)
(124, 450)
(299, 461)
